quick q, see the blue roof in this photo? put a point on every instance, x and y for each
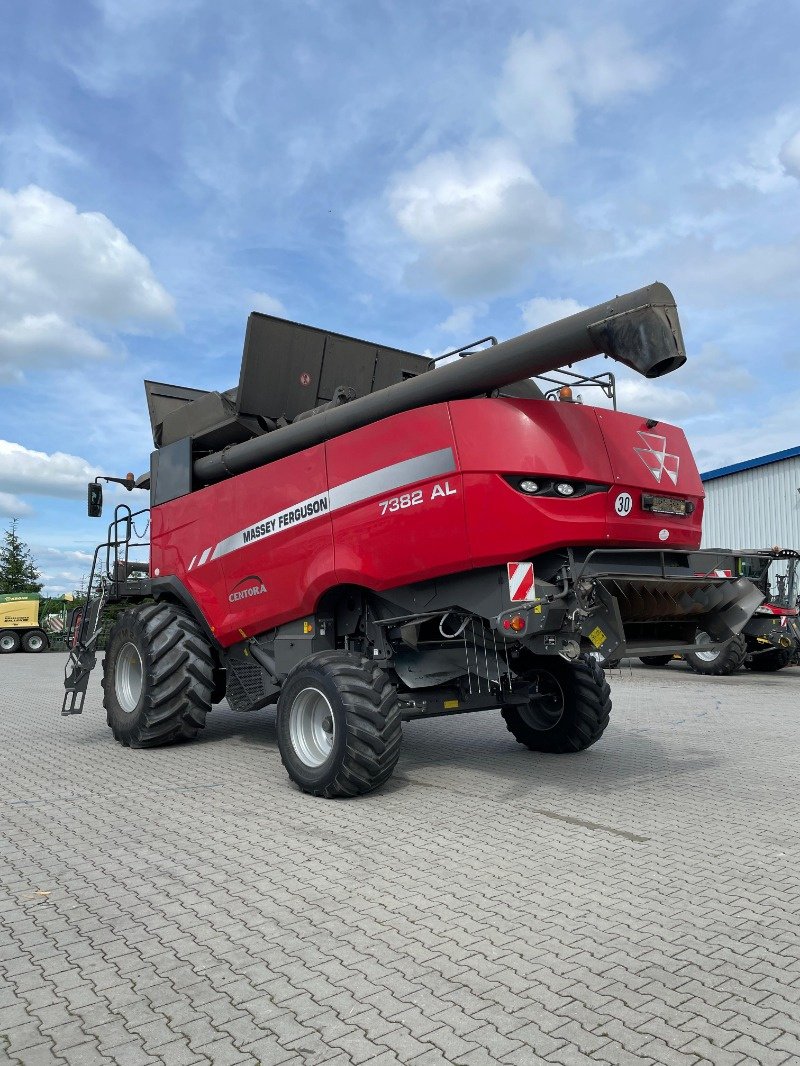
(750, 464)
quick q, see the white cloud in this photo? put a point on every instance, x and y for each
(547, 79)
(61, 570)
(266, 304)
(43, 474)
(724, 440)
(714, 371)
(75, 263)
(461, 320)
(59, 555)
(769, 161)
(32, 148)
(790, 155)
(652, 398)
(44, 338)
(542, 310)
(477, 217)
(713, 275)
(61, 269)
(13, 507)
(470, 220)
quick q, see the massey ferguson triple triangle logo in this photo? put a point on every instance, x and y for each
(656, 457)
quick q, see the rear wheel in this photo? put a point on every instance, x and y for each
(720, 661)
(9, 641)
(34, 640)
(339, 728)
(655, 660)
(568, 709)
(769, 661)
(158, 676)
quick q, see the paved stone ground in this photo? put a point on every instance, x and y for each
(637, 903)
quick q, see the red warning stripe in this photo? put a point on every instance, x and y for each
(520, 581)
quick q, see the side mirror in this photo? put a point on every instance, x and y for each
(95, 507)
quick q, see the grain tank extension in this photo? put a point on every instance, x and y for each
(368, 538)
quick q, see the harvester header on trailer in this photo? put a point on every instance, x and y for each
(370, 538)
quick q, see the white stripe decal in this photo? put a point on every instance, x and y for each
(376, 483)
(275, 523)
(389, 478)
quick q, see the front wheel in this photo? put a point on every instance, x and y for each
(9, 642)
(720, 662)
(769, 661)
(338, 723)
(158, 676)
(568, 708)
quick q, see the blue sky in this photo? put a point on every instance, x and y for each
(420, 174)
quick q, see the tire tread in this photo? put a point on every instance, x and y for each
(587, 713)
(729, 660)
(373, 724)
(179, 680)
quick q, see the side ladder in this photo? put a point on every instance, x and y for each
(109, 581)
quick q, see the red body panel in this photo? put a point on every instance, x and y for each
(634, 450)
(382, 548)
(416, 496)
(294, 565)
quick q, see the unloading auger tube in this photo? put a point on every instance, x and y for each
(640, 329)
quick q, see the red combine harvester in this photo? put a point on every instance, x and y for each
(369, 538)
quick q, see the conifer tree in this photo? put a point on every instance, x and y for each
(18, 571)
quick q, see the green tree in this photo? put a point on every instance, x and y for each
(18, 571)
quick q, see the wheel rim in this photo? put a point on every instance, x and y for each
(35, 642)
(128, 677)
(7, 642)
(546, 707)
(312, 727)
(706, 656)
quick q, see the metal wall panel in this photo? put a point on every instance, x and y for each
(756, 508)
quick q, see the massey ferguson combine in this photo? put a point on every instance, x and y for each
(368, 538)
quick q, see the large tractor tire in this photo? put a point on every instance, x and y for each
(339, 726)
(158, 676)
(655, 660)
(35, 640)
(725, 660)
(568, 712)
(769, 661)
(9, 642)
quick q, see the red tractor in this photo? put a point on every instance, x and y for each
(368, 538)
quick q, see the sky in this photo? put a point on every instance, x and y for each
(419, 174)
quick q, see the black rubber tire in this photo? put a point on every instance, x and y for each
(35, 641)
(769, 661)
(655, 660)
(585, 707)
(367, 728)
(729, 659)
(178, 676)
(10, 642)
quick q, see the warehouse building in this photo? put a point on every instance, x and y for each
(754, 504)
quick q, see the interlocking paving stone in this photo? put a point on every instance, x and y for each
(634, 904)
